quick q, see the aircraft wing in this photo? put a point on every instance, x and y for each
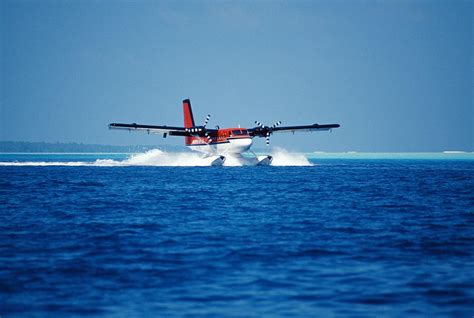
(314, 127)
(263, 131)
(170, 130)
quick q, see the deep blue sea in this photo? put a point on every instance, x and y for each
(339, 238)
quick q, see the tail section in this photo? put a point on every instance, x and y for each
(188, 114)
(188, 119)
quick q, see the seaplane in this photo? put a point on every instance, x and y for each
(220, 143)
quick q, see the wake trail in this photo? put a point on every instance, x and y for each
(159, 158)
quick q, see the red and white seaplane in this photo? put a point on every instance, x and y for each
(221, 142)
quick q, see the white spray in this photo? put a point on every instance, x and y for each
(160, 158)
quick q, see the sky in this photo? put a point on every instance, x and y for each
(397, 75)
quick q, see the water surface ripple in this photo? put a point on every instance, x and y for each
(365, 238)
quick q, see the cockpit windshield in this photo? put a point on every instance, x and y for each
(239, 132)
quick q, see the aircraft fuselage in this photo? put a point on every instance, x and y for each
(225, 141)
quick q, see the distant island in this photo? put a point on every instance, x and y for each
(74, 147)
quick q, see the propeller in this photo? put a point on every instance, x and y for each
(207, 120)
(259, 124)
(198, 130)
(266, 130)
(209, 139)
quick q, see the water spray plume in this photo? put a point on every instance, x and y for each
(159, 158)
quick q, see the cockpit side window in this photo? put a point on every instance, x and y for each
(240, 132)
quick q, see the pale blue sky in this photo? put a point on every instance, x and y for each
(397, 75)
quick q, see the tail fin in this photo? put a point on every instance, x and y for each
(188, 119)
(188, 114)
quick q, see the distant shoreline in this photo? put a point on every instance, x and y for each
(22, 147)
(74, 148)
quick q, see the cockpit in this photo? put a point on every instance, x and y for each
(237, 132)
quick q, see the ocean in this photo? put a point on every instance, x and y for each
(165, 235)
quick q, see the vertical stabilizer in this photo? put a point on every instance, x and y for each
(188, 119)
(188, 114)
